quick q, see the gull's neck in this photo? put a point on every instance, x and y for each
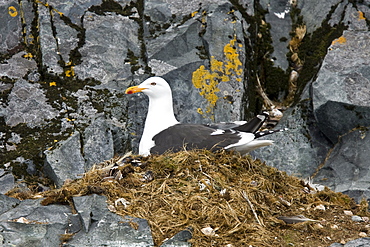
(160, 117)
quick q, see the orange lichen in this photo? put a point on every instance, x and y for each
(340, 40)
(361, 15)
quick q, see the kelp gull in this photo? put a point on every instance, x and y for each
(162, 131)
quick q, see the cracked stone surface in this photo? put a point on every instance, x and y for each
(28, 104)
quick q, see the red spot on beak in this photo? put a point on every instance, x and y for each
(134, 89)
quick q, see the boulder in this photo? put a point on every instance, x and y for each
(346, 169)
(102, 227)
(66, 161)
(7, 181)
(29, 223)
(7, 203)
(341, 91)
(97, 143)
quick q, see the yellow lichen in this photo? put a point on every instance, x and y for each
(207, 80)
(194, 13)
(70, 71)
(12, 11)
(52, 84)
(28, 55)
(233, 63)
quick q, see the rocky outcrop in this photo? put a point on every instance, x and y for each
(340, 94)
(334, 106)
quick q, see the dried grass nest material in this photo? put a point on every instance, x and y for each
(225, 198)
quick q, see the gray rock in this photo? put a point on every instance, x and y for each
(10, 29)
(90, 208)
(107, 228)
(278, 17)
(7, 203)
(27, 104)
(74, 10)
(32, 210)
(191, 47)
(6, 181)
(48, 41)
(97, 143)
(165, 10)
(28, 16)
(75, 223)
(360, 242)
(352, 17)
(314, 14)
(66, 161)
(40, 225)
(180, 239)
(300, 149)
(17, 66)
(113, 230)
(66, 38)
(37, 235)
(336, 245)
(346, 169)
(29, 223)
(108, 38)
(342, 86)
(85, 108)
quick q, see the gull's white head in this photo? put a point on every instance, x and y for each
(154, 87)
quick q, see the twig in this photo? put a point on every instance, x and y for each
(251, 206)
(267, 102)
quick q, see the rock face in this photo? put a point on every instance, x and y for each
(65, 162)
(27, 104)
(29, 223)
(329, 124)
(65, 65)
(342, 86)
(345, 169)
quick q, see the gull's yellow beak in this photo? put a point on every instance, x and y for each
(134, 89)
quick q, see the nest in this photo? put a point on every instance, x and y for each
(224, 198)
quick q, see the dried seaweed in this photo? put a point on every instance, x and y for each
(207, 192)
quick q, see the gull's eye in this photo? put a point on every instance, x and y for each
(153, 83)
